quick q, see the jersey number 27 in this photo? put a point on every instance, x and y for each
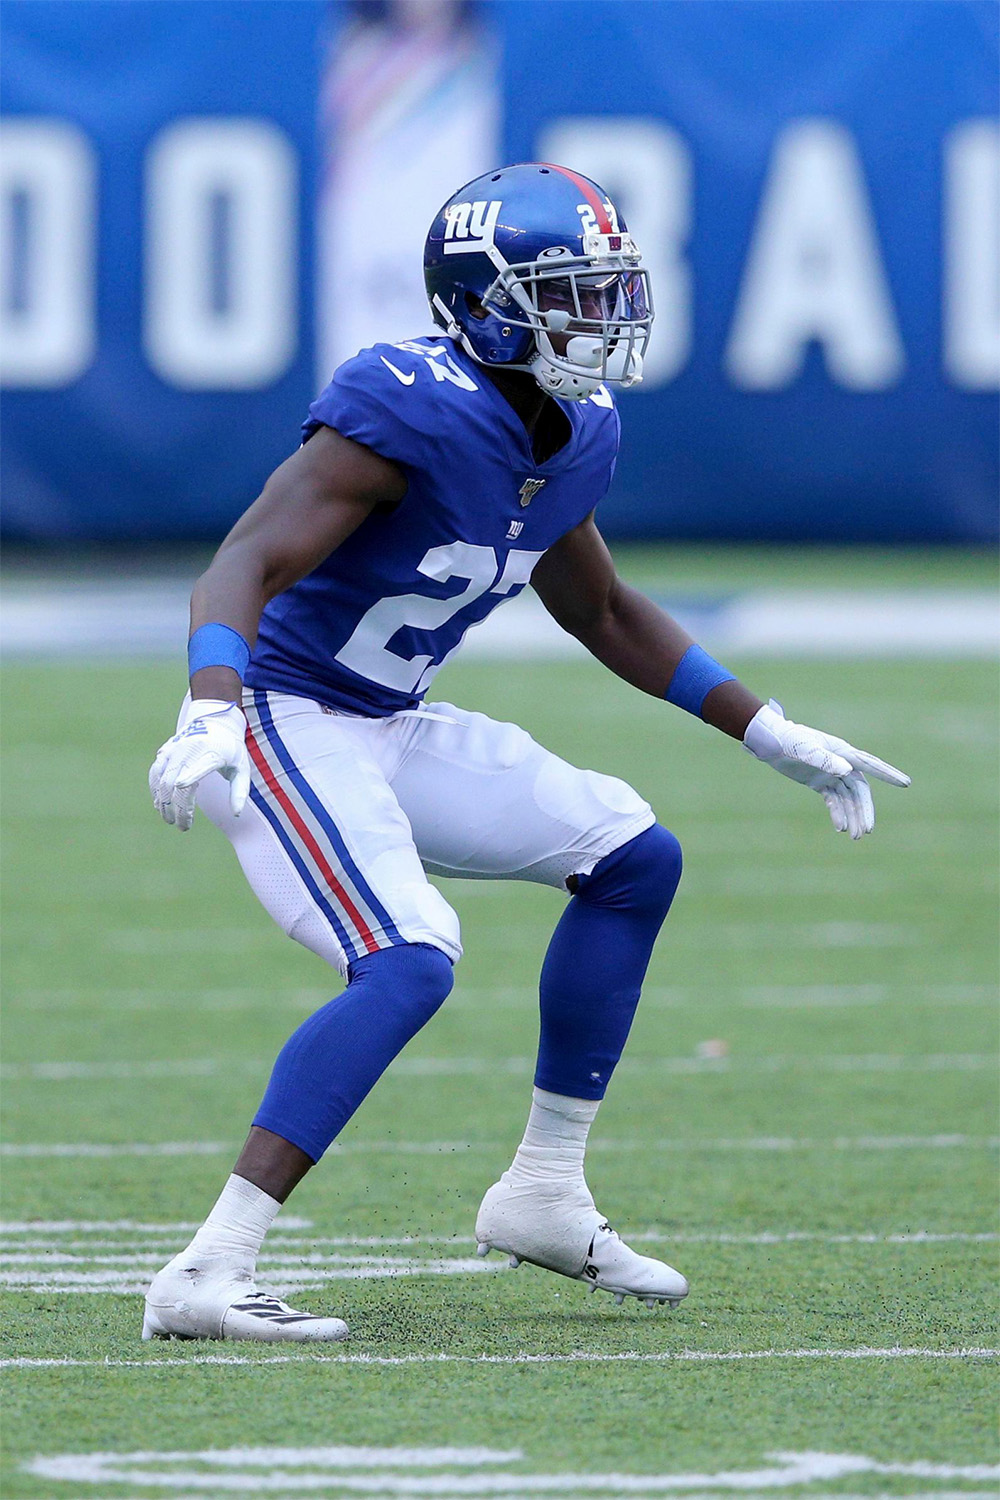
(367, 653)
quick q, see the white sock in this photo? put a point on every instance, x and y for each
(555, 1139)
(237, 1224)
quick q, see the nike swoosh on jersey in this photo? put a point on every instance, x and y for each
(405, 379)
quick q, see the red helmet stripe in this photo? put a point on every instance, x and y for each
(587, 189)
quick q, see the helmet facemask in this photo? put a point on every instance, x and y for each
(590, 315)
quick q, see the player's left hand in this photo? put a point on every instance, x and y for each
(209, 738)
(829, 765)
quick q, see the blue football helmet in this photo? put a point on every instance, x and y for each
(532, 268)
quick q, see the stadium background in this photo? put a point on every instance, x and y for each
(203, 207)
(207, 205)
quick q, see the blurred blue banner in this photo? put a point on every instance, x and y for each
(161, 159)
(815, 188)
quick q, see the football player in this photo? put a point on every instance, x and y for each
(435, 480)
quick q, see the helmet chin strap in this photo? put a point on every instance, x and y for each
(568, 376)
(557, 380)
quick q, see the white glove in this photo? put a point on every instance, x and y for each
(829, 765)
(211, 738)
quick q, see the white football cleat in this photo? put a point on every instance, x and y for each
(218, 1299)
(558, 1228)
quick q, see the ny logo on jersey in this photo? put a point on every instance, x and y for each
(529, 490)
(470, 226)
(514, 530)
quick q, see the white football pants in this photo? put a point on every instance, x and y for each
(347, 814)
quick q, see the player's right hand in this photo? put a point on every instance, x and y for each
(211, 738)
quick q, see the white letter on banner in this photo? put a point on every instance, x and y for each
(221, 254)
(48, 223)
(815, 272)
(972, 255)
(646, 168)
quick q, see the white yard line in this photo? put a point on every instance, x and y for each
(697, 1356)
(457, 1067)
(289, 1263)
(304, 1254)
(784, 996)
(512, 1488)
(835, 996)
(115, 1226)
(474, 1472)
(141, 998)
(148, 617)
(289, 1274)
(18, 1235)
(132, 1148)
(679, 1145)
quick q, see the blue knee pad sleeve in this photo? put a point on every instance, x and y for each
(640, 876)
(331, 1062)
(597, 960)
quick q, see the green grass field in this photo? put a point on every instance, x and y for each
(828, 1186)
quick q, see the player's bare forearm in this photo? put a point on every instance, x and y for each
(642, 644)
(628, 633)
(309, 506)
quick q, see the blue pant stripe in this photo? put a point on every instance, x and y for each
(348, 944)
(323, 818)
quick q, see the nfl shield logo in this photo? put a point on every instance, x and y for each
(529, 490)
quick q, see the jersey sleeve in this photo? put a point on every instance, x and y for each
(378, 403)
(616, 440)
(606, 441)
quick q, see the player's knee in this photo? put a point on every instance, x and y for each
(424, 916)
(419, 976)
(430, 974)
(661, 862)
(642, 875)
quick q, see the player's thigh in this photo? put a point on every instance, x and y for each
(323, 840)
(484, 799)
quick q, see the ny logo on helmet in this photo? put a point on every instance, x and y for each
(470, 226)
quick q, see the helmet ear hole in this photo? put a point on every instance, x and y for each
(474, 305)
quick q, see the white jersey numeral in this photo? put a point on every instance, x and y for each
(441, 364)
(367, 653)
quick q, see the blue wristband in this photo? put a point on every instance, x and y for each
(218, 645)
(695, 675)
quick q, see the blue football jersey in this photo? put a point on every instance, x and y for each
(367, 630)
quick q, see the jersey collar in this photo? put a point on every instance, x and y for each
(515, 435)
